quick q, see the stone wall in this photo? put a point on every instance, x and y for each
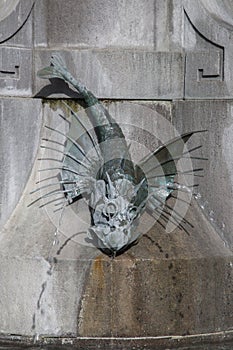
(171, 56)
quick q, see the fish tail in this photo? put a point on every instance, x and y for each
(57, 69)
(105, 126)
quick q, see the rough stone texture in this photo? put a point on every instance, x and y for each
(16, 65)
(94, 23)
(216, 188)
(21, 122)
(209, 50)
(59, 288)
(162, 286)
(136, 44)
(7, 8)
(170, 283)
(129, 74)
(15, 71)
(41, 293)
(16, 24)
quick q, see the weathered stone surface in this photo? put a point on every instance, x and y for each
(43, 293)
(52, 281)
(16, 23)
(209, 50)
(216, 341)
(20, 122)
(109, 24)
(162, 286)
(30, 235)
(42, 303)
(20, 292)
(7, 8)
(15, 71)
(216, 187)
(129, 74)
(220, 10)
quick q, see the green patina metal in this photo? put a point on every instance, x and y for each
(118, 190)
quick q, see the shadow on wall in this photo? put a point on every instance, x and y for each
(58, 86)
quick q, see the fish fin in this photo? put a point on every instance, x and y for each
(79, 161)
(162, 163)
(57, 65)
(163, 167)
(57, 61)
(87, 136)
(49, 73)
(85, 159)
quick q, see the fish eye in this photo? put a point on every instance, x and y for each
(110, 209)
(132, 213)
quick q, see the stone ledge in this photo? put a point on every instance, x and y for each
(214, 341)
(153, 75)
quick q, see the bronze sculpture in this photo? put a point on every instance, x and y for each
(118, 191)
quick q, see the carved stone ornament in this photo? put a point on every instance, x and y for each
(209, 50)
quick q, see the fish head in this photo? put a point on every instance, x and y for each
(114, 216)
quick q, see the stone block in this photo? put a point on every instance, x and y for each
(20, 122)
(161, 287)
(204, 75)
(105, 24)
(209, 50)
(216, 187)
(95, 23)
(16, 23)
(168, 284)
(43, 302)
(40, 287)
(15, 71)
(127, 74)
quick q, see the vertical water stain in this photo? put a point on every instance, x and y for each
(95, 312)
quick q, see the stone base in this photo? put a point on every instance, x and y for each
(177, 283)
(214, 341)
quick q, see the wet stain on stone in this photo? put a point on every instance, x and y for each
(99, 271)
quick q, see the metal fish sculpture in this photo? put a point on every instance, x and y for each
(118, 191)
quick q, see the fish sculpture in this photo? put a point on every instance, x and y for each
(117, 190)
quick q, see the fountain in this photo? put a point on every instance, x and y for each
(160, 70)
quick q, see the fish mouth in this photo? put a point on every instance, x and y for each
(111, 239)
